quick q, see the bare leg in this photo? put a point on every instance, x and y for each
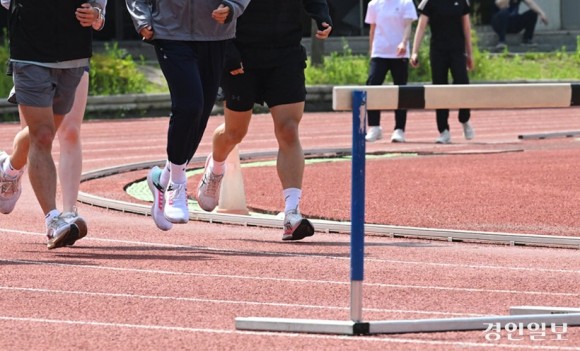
(20, 146)
(70, 162)
(290, 163)
(227, 135)
(41, 170)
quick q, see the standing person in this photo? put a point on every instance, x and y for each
(450, 51)
(189, 39)
(269, 69)
(70, 163)
(47, 68)
(390, 29)
(508, 19)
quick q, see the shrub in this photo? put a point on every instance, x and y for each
(115, 72)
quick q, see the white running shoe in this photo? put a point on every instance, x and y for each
(444, 138)
(208, 191)
(158, 192)
(398, 136)
(74, 218)
(176, 209)
(10, 188)
(296, 227)
(468, 132)
(59, 231)
(374, 133)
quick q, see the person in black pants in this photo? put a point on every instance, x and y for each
(508, 19)
(450, 51)
(390, 29)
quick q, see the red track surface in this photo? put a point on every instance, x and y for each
(128, 286)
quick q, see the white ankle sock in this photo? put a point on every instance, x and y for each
(177, 173)
(216, 167)
(291, 198)
(165, 175)
(9, 170)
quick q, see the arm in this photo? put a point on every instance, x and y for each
(140, 12)
(229, 9)
(90, 14)
(99, 24)
(537, 9)
(371, 37)
(233, 59)
(402, 48)
(319, 11)
(466, 22)
(419, 34)
(6, 4)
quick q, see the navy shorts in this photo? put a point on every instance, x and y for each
(273, 86)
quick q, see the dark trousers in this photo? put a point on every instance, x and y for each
(443, 62)
(193, 72)
(503, 23)
(378, 70)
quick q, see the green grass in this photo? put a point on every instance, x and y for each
(348, 69)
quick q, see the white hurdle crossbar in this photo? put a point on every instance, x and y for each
(476, 96)
(361, 98)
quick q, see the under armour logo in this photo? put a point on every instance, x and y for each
(236, 97)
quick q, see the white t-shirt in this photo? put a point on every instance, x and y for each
(389, 17)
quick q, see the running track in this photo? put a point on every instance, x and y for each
(128, 286)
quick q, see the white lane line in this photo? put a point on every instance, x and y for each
(293, 280)
(354, 339)
(233, 302)
(313, 255)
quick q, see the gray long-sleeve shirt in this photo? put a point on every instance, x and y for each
(188, 20)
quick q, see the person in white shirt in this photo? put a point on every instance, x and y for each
(390, 29)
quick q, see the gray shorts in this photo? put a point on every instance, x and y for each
(39, 86)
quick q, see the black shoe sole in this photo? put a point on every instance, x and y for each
(304, 229)
(82, 230)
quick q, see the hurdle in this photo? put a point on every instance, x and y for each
(359, 99)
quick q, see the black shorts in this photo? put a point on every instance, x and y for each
(273, 86)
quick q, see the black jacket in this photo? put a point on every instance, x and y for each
(269, 32)
(48, 31)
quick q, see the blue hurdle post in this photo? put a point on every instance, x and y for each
(357, 211)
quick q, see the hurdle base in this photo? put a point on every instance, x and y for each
(314, 326)
(397, 326)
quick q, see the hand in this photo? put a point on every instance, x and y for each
(402, 49)
(470, 63)
(544, 19)
(221, 14)
(87, 15)
(146, 33)
(414, 61)
(237, 71)
(323, 34)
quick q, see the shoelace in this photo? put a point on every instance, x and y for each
(54, 224)
(177, 195)
(8, 187)
(212, 183)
